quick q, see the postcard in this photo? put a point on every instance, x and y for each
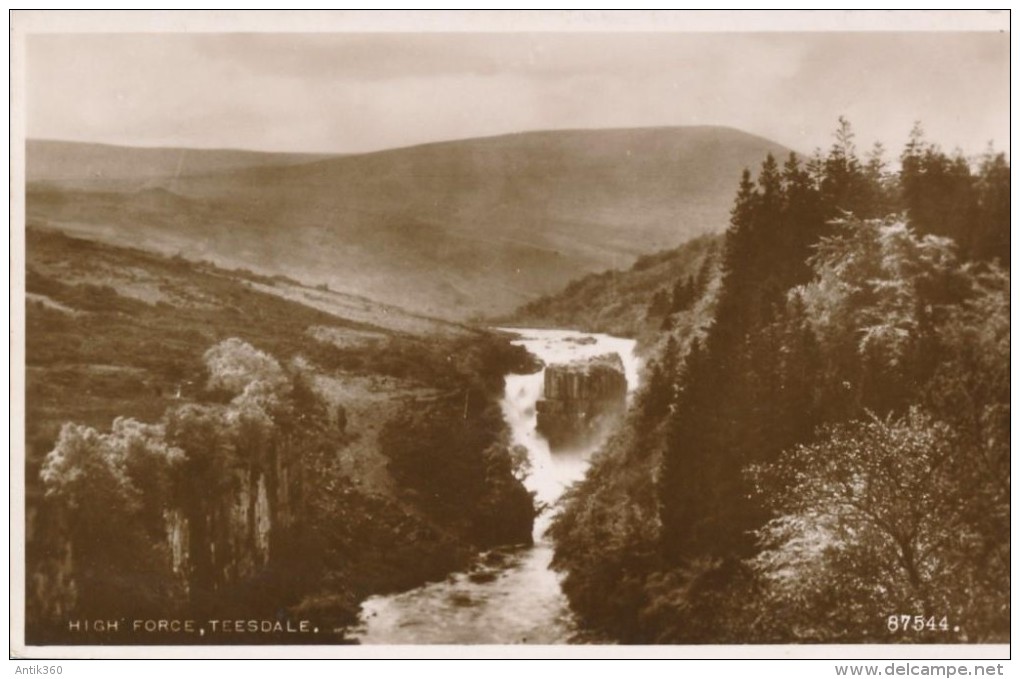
(511, 334)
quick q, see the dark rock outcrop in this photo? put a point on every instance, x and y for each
(581, 399)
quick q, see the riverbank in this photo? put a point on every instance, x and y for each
(507, 595)
(284, 490)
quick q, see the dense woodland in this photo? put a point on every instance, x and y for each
(821, 441)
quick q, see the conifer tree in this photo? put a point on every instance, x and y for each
(991, 232)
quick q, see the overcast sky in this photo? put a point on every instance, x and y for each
(352, 93)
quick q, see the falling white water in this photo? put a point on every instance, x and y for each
(510, 595)
(552, 473)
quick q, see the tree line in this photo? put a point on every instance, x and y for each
(830, 445)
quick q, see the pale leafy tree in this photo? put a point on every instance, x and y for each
(76, 454)
(870, 523)
(111, 490)
(234, 365)
(128, 474)
(115, 489)
(87, 467)
(971, 391)
(251, 416)
(878, 283)
(149, 463)
(258, 399)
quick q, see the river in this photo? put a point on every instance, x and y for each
(509, 595)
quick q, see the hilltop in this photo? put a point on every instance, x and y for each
(452, 229)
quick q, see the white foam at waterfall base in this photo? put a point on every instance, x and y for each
(520, 600)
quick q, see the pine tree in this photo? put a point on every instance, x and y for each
(991, 233)
(739, 248)
(684, 294)
(939, 193)
(660, 394)
(842, 176)
(704, 276)
(659, 305)
(879, 199)
(803, 222)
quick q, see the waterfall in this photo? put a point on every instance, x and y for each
(551, 473)
(521, 601)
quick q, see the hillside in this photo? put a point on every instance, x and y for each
(637, 302)
(99, 166)
(166, 398)
(452, 229)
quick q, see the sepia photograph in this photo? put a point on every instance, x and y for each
(650, 330)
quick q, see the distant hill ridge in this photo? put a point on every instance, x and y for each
(456, 228)
(50, 160)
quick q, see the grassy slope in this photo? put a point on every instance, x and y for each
(617, 302)
(118, 332)
(450, 229)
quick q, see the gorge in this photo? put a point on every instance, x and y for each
(510, 594)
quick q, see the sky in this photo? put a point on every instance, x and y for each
(358, 92)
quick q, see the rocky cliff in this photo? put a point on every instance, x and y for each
(230, 539)
(581, 398)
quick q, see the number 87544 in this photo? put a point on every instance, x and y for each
(917, 623)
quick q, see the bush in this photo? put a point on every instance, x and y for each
(234, 365)
(871, 520)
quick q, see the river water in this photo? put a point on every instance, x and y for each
(509, 595)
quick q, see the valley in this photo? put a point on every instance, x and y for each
(381, 456)
(453, 229)
(637, 441)
(491, 329)
(119, 346)
(403, 462)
